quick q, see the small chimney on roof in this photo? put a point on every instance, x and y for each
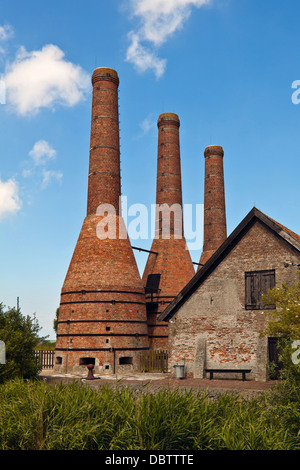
(215, 231)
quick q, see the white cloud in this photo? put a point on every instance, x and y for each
(26, 173)
(159, 20)
(42, 152)
(43, 79)
(49, 175)
(10, 202)
(148, 123)
(142, 58)
(6, 32)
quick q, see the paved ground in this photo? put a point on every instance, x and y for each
(154, 382)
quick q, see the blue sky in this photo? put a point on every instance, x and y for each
(226, 67)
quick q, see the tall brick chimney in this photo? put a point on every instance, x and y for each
(102, 316)
(215, 231)
(169, 266)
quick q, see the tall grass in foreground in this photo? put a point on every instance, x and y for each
(34, 415)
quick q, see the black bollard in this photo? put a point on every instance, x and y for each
(90, 375)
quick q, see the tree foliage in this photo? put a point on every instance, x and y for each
(284, 321)
(20, 335)
(55, 321)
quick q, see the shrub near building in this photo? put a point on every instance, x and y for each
(20, 336)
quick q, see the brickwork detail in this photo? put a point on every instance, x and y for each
(102, 316)
(215, 231)
(173, 261)
(104, 184)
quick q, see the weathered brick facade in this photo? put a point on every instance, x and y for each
(208, 323)
(102, 318)
(171, 258)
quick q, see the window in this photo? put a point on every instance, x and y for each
(258, 283)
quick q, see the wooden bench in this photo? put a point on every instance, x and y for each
(231, 371)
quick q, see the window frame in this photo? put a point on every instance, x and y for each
(256, 277)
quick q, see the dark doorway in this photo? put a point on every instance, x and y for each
(275, 365)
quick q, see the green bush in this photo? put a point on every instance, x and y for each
(20, 335)
(35, 415)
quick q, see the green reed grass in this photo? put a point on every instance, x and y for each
(35, 415)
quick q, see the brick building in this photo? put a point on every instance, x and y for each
(215, 321)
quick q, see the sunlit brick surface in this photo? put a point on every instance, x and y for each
(215, 231)
(102, 317)
(173, 261)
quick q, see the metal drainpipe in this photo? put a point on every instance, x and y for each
(114, 351)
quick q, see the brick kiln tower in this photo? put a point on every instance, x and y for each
(215, 231)
(169, 266)
(102, 317)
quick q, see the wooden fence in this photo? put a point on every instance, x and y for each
(150, 361)
(45, 358)
(154, 361)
